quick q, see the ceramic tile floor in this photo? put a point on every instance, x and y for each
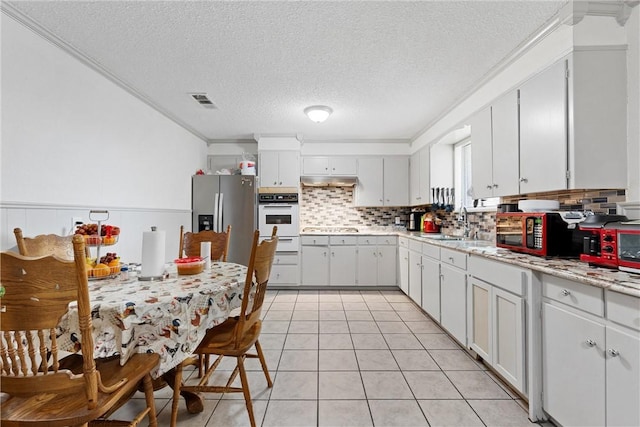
(355, 358)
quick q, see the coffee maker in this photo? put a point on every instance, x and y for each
(415, 220)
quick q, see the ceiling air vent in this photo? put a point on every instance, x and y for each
(203, 99)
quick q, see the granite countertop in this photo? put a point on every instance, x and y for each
(614, 280)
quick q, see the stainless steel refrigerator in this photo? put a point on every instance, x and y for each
(221, 200)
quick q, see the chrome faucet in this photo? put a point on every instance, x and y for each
(463, 218)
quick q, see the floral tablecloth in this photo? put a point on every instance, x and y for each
(168, 317)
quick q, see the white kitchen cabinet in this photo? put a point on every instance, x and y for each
(431, 286)
(279, 168)
(496, 327)
(419, 177)
(403, 264)
(573, 123)
(573, 368)
(590, 354)
(383, 181)
(453, 296)
(494, 148)
(415, 277)
(285, 269)
(377, 261)
(441, 161)
(342, 263)
(329, 165)
(315, 260)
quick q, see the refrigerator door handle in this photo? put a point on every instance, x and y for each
(216, 210)
(220, 229)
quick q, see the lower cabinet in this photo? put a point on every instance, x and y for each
(453, 298)
(496, 327)
(431, 286)
(591, 364)
(315, 261)
(285, 269)
(415, 276)
(342, 262)
(403, 264)
(377, 261)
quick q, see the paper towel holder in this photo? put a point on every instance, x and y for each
(151, 278)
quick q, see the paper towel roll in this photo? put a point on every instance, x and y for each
(153, 244)
(205, 253)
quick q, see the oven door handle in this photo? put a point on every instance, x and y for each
(277, 205)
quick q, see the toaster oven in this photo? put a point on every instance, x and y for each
(628, 241)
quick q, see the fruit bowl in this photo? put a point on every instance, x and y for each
(192, 265)
(103, 271)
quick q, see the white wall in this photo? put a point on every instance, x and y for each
(73, 140)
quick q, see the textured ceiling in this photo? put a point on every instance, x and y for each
(388, 69)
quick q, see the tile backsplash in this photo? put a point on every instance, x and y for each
(333, 206)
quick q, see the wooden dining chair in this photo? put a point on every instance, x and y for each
(38, 389)
(190, 243)
(45, 244)
(237, 335)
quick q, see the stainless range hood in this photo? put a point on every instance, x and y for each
(328, 181)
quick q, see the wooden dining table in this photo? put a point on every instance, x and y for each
(168, 317)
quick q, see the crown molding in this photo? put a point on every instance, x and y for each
(575, 11)
(38, 29)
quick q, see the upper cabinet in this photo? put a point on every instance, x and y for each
(419, 177)
(573, 124)
(494, 151)
(279, 168)
(323, 165)
(383, 181)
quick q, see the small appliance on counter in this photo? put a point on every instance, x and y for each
(628, 240)
(415, 220)
(430, 224)
(599, 239)
(546, 234)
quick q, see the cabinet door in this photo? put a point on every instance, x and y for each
(453, 297)
(342, 265)
(387, 265)
(505, 143)
(289, 169)
(573, 368)
(431, 287)
(481, 154)
(367, 265)
(507, 336)
(414, 180)
(315, 165)
(623, 374)
(396, 181)
(403, 269)
(269, 168)
(343, 166)
(370, 179)
(424, 178)
(315, 265)
(479, 317)
(543, 131)
(415, 276)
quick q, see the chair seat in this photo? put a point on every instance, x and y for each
(220, 339)
(71, 409)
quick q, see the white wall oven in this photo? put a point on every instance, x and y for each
(280, 209)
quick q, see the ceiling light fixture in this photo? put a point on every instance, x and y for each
(318, 113)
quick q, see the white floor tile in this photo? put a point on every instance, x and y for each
(344, 413)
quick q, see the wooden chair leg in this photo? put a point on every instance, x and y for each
(246, 391)
(263, 362)
(176, 395)
(151, 403)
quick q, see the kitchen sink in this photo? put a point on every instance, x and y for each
(441, 236)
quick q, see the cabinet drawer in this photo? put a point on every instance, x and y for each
(403, 242)
(367, 240)
(623, 309)
(315, 240)
(415, 245)
(284, 274)
(387, 240)
(285, 259)
(343, 240)
(430, 250)
(499, 274)
(288, 244)
(454, 258)
(583, 297)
